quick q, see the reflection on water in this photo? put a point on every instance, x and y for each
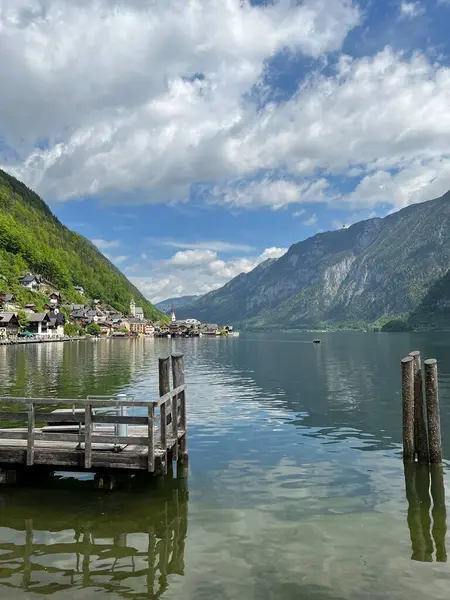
(425, 526)
(296, 483)
(128, 543)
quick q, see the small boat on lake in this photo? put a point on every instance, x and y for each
(316, 341)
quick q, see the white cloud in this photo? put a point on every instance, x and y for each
(298, 213)
(118, 260)
(161, 104)
(411, 9)
(146, 95)
(272, 253)
(191, 258)
(104, 244)
(214, 245)
(274, 194)
(311, 221)
(193, 272)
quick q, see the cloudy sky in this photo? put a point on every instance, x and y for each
(191, 139)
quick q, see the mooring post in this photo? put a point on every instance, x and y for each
(408, 408)
(164, 388)
(433, 418)
(178, 380)
(420, 429)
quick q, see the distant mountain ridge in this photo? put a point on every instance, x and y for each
(33, 240)
(166, 305)
(371, 271)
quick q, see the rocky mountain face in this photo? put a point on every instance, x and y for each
(375, 269)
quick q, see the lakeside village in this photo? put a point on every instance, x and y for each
(60, 321)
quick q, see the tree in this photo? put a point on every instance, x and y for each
(396, 325)
(70, 330)
(23, 319)
(93, 329)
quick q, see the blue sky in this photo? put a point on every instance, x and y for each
(190, 140)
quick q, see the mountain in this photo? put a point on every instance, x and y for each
(370, 272)
(165, 306)
(434, 310)
(33, 240)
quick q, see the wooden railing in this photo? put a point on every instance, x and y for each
(169, 409)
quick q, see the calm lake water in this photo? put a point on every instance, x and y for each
(296, 487)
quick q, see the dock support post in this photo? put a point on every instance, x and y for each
(434, 421)
(420, 429)
(178, 379)
(408, 408)
(164, 388)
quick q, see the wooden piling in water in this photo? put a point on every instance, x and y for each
(408, 408)
(420, 429)
(433, 418)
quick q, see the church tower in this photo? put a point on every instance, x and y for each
(132, 308)
(173, 317)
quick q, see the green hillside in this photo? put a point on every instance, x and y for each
(33, 240)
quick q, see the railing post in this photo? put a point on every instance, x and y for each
(420, 428)
(408, 408)
(164, 388)
(87, 436)
(30, 440)
(151, 441)
(178, 380)
(434, 420)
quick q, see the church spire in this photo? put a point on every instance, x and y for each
(173, 317)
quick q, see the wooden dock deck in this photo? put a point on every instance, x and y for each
(98, 433)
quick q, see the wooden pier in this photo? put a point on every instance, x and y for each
(98, 433)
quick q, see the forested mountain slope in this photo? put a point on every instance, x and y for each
(33, 240)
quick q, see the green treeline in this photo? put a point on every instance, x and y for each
(33, 240)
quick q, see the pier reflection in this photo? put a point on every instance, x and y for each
(427, 515)
(125, 543)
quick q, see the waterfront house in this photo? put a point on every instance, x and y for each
(141, 327)
(93, 316)
(7, 302)
(56, 324)
(121, 324)
(38, 323)
(31, 282)
(78, 316)
(9, 324)
(54, 299)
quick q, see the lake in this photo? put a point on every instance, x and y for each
(296, 487)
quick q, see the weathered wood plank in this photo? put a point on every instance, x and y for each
(164, 392)
(87, 437)
(151, 440)
(13, 416)
(129, 420)
(30, 433)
